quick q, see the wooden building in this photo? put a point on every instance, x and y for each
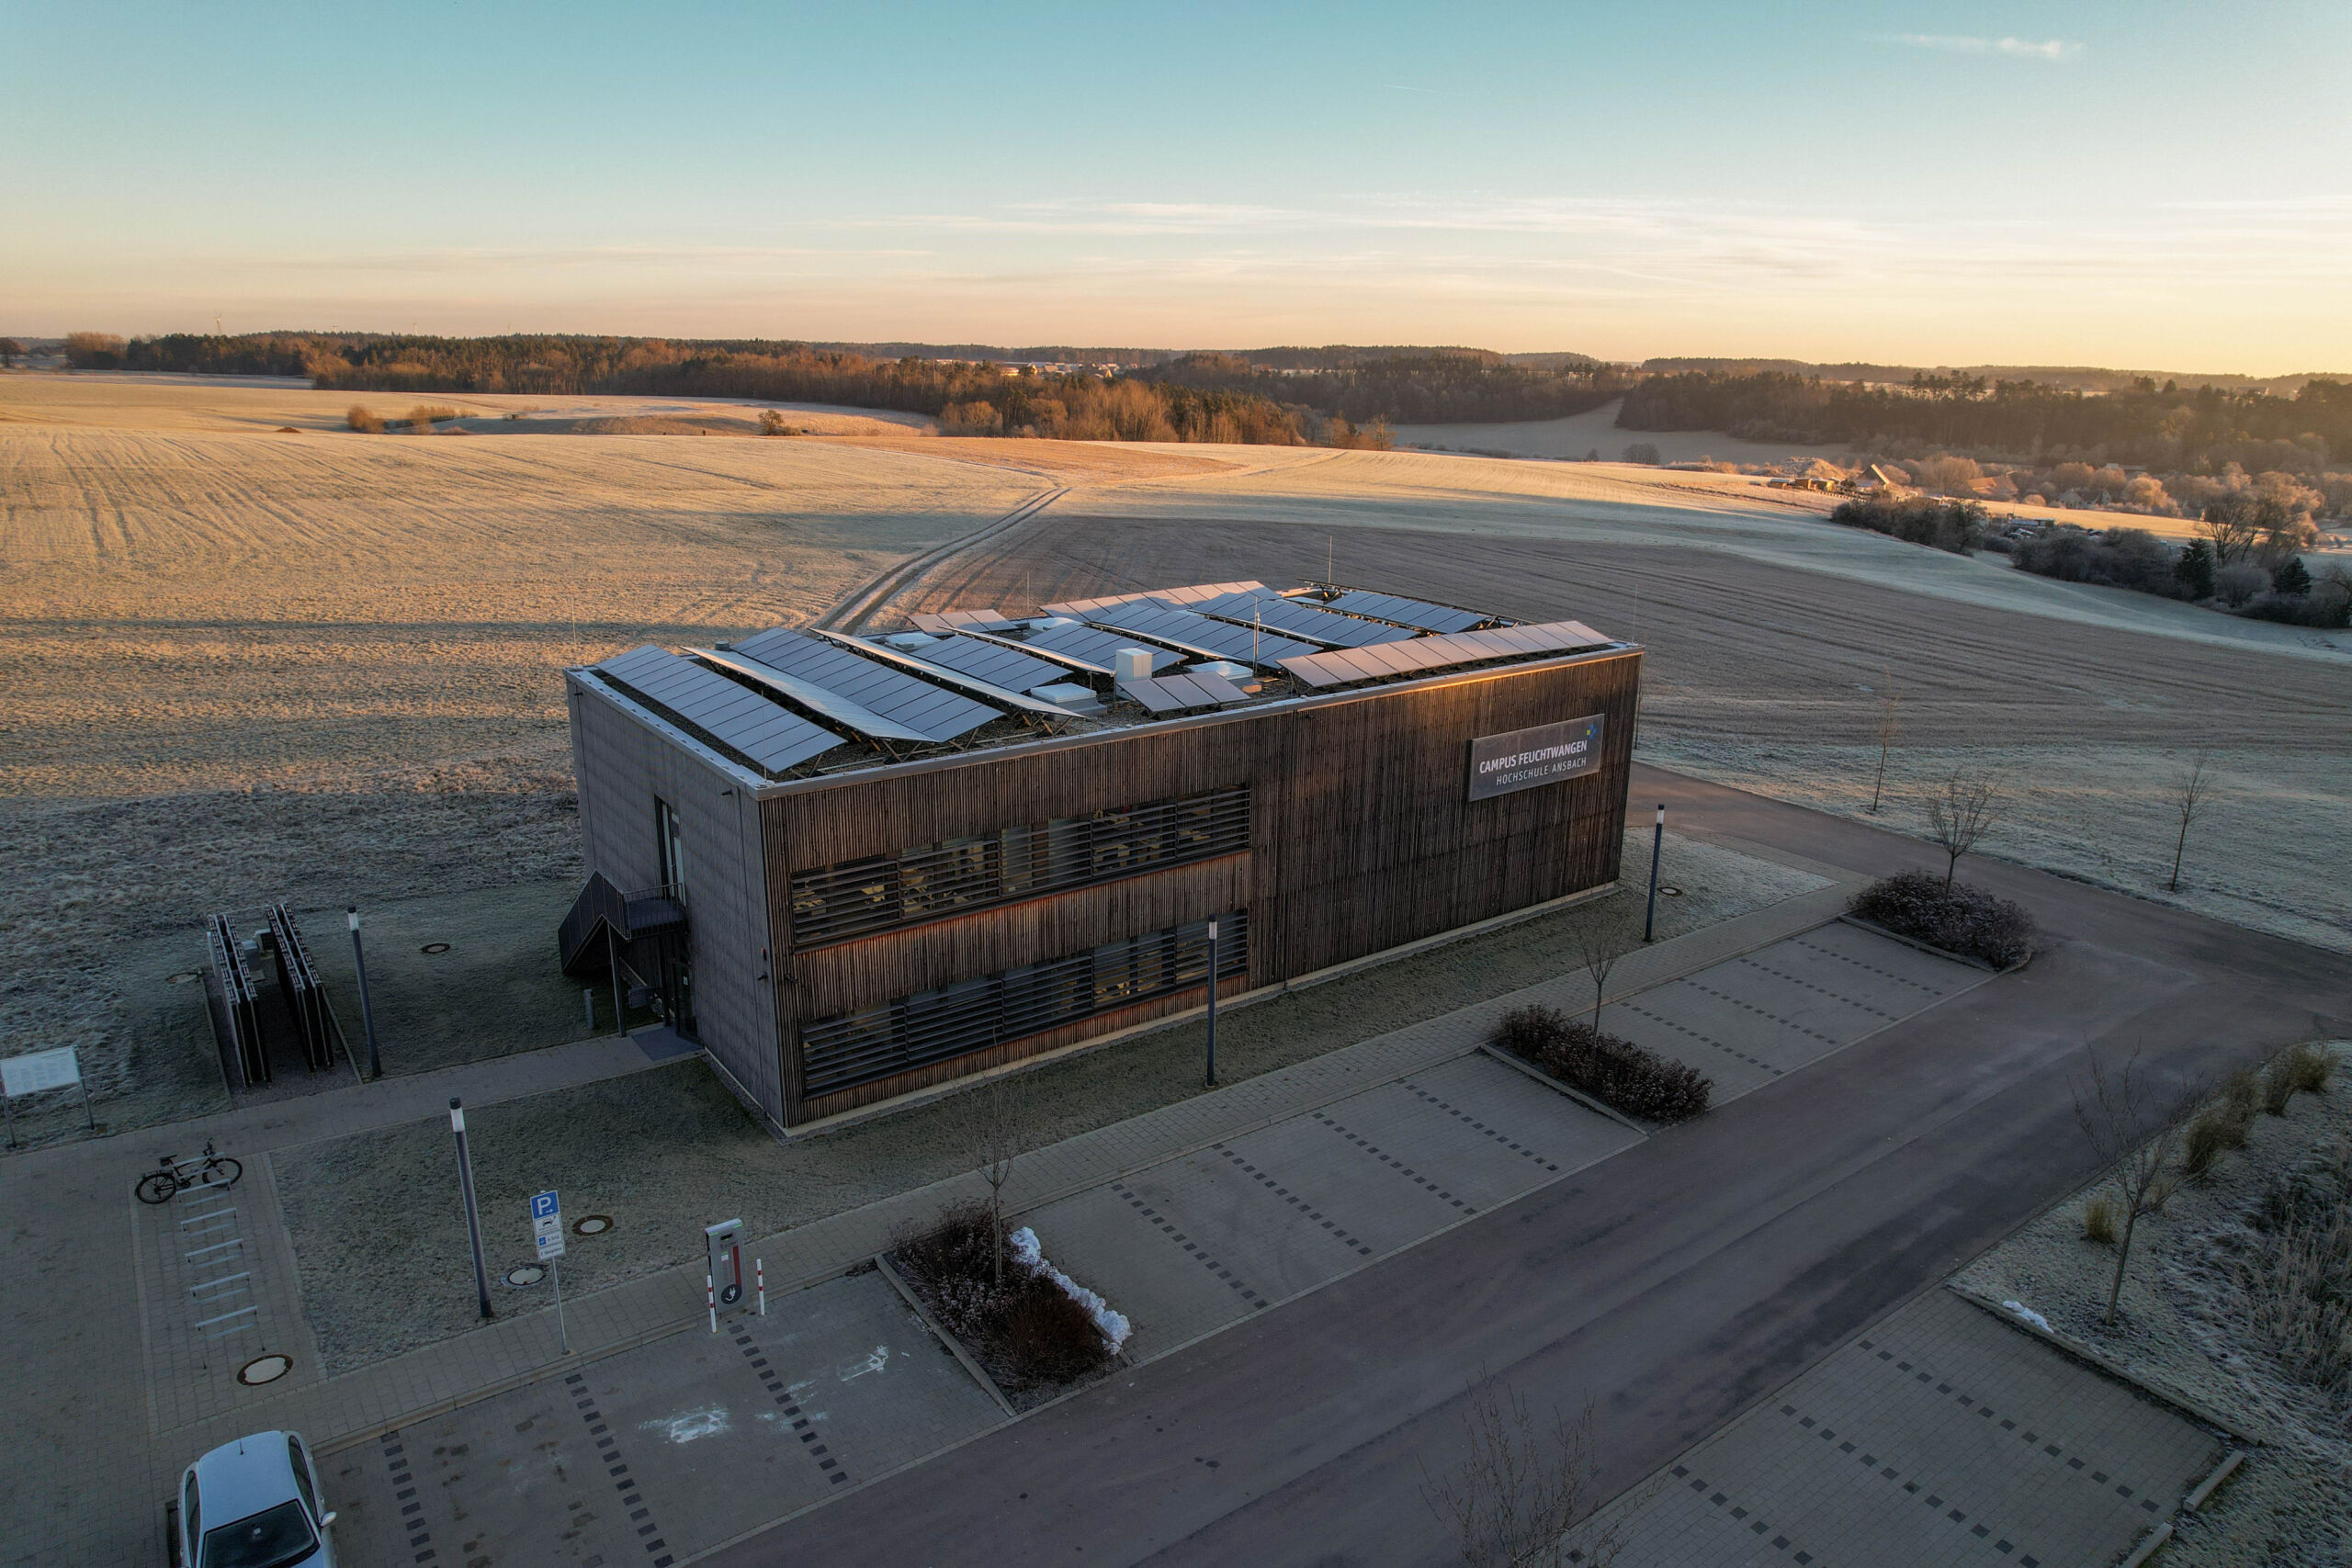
(855, 868)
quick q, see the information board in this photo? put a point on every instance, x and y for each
(1523, 758)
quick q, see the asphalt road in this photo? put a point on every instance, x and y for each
(1671, 1287)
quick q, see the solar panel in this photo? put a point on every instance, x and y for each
(1083, 608)
(986, 691)
(1300, 618)
(1192, 689)
(990, 661)
(1418, 613)
(1200, 635)
(869, 695)
(1426, 655)
(769, 736)
(1084, 647)
(945, 621)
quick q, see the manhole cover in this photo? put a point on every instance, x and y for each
(591, 1224)
(1671, 891)
(183, 977)
(265, 1368)
(528, 1274)
(435, 947)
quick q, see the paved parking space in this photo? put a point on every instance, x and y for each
(647, 1457)
(1939, 1437)
(1752, 1018)
(1196, 1243)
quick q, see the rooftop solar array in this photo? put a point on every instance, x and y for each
(1176, 693)
(1090, 650)
(945, 621)
(990, 661)
(869, 696)
(1301, 617)
(1198, 634)
(1418, 613)
(986, 691)
(1083, 608)
(1428, 655)
(766, 734)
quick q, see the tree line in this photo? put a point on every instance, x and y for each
(1464, 387)
(970, 399)
(2166, 427)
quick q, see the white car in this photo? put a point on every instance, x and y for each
(252, 1503)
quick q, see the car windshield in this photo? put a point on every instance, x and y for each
(271, 1538)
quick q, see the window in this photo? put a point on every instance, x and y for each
(191, 1520)
(303, 1474)
(669, 844)
(929, 882)
(271, 1538)
(973, 1015)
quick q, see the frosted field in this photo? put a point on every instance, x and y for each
(322, 666)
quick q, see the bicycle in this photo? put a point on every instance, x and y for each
(175, 1177)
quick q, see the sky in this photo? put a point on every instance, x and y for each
(2152, 184)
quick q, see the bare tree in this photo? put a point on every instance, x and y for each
(2189, 797)
(989, 1121)
(1524, 1485)
(1886, 707)
(2134, 1133)
(1600, 941)
(1962, 811)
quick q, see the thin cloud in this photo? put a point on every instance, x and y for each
(2053, 51)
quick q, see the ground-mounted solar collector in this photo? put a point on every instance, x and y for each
(852, 867)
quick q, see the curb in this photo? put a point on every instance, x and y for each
(2099, 1359)
(955, 1346)
(2150, 1544)
(1548, 1081)
(2203, 1491)
(1876, 930)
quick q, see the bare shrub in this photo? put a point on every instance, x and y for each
(1644, 452)
(2313, 1067)
(2099, 1219)
(363, 421)
(424, 416)
(1016, 1319)
(2210, 1136)
(2188, 797)
(1616, 1072)
(1960, 812)
(2239, 581)
(2133, 1133)
(2297, 1069)
(1600, 941)
(990, 1122)
(1524, 1485)
(1963, 919)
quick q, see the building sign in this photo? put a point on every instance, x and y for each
(1525, 757)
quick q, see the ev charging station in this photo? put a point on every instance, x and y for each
(724, 1279)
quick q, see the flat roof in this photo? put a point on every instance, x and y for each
(789, 704)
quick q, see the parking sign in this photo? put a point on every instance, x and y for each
(547, 1225)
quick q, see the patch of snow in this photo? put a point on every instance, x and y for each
(1114, 1324)
(2030, 1315)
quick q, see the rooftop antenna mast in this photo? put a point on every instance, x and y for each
(1330, 554)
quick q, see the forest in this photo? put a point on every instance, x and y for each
(1323, 396)
(2163, 427)
(1448, 387)
(970, 399)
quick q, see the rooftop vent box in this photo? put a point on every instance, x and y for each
(907, 642)
(1047, 623)
(1065, 694)
(1131, 664)
(1226, 668)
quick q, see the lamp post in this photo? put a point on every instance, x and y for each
(367, 1014)
(474, 1214)
(1211, 1080)
(1658, 843)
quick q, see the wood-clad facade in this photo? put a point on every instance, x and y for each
(1362, 836)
